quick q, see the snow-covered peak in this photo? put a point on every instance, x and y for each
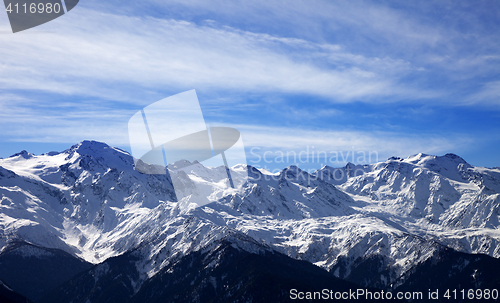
(179, 164)
(424, 159)
(89, 147)
(340, 175)
(394, 158)
(89, 201)
(454, 157)
(100, 153)
(291, 172)
(449, 165)
(418, 158)
(22, 155)
(84, 156)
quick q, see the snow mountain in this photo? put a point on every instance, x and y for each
(373, 225)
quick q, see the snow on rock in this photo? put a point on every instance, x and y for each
(91, 202)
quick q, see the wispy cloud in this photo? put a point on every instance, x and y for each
(384, 143)
(110, 126)
(488, 94)
(274, 147)
(83, 75)
(92, 53)
(46, 121)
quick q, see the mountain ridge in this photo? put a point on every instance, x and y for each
(90, 202)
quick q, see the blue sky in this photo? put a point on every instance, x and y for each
(393, 78)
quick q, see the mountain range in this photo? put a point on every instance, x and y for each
(83, 225)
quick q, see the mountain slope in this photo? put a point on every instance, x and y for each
(7, 295)
(222, 272)
(33, 270)
(448, 270)
(383, 218)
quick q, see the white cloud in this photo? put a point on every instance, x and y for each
(452, 39)
(315, 49)
(92, 53)
(387, 142)
(393, 27)
(36, 120)
(89, 52)
(488, 94)
(91, 120)
(377, 145)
